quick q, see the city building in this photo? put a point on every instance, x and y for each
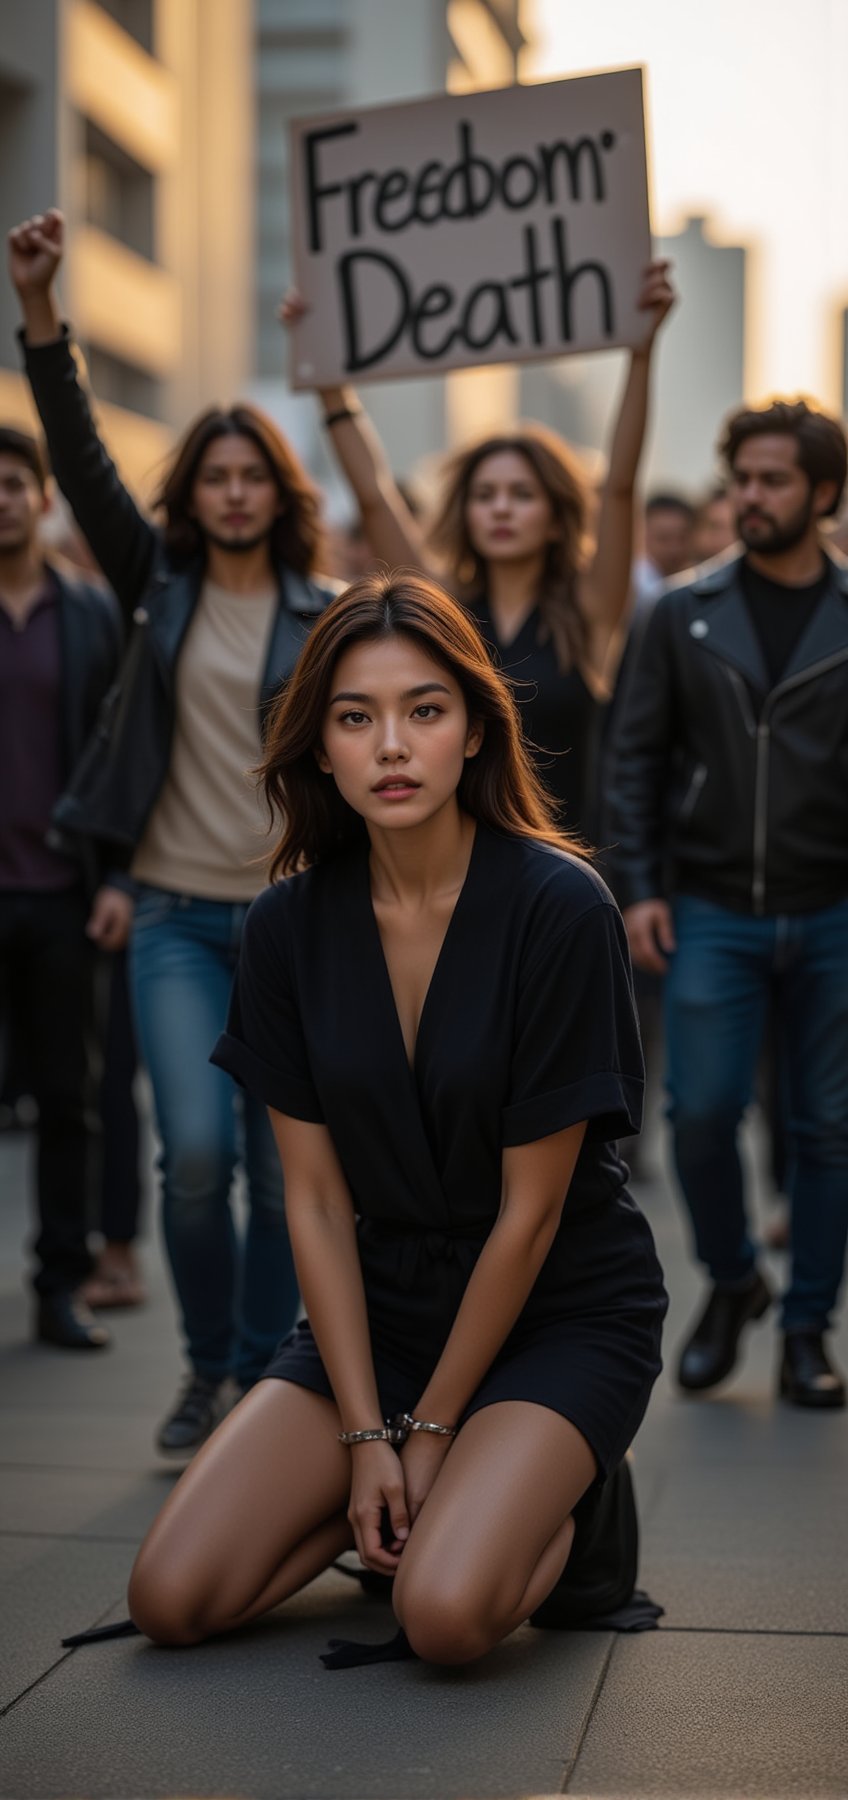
(136, 118)
(317, 56)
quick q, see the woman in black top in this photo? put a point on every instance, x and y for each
(512, 541)
(437, 1011)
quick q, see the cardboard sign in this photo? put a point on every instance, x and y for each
(496, 227)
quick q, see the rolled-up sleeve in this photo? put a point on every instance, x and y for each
(576, 1050)
(263, 1046)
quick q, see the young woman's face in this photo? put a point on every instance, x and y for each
(508, 515)
(235, 498)
(396, 732)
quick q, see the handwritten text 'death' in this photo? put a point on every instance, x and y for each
(495, 227)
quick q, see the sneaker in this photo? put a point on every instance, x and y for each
(197, 1409)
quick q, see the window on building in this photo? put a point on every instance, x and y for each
(120, 383)
(135, 17)
(119, 193)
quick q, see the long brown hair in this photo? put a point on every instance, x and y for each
(498, 786)
(296, 533)
(557, 469)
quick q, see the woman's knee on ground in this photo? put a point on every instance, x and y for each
(443, 1627)
(454, 1621)
(167, 1607)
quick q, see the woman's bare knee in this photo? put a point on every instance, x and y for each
(451, 1619)
(446, 1634)
(443, 1627)
(163, 1608)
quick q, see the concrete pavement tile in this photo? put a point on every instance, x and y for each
(258, 1716)
(733, 1429)
(75, 1437)
(137, 1373)
(81, 1502)
(47, 1589)
(746, 1718)
(729, 1549)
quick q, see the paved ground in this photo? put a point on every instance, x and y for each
(741, 1693)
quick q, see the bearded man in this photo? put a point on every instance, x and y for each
(730, 812)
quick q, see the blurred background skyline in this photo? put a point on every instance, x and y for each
(160, 128)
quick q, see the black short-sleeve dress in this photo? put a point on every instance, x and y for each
(528, 1027)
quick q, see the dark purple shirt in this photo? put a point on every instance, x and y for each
(31, 762)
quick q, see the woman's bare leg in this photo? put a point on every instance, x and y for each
(494, 1534)
(259, 1512)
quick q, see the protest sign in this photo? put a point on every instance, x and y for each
(494, 227)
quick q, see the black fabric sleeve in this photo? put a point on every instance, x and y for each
(263, 1046)
(576, 1049)
(121, 538)
(640, 765)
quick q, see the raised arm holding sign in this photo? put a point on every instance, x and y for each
(511, 538)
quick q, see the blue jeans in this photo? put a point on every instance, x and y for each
(726, 968)
(237, 1301)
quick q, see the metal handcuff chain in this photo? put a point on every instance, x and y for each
(395, 1431)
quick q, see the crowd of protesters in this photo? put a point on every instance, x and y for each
(685, 701)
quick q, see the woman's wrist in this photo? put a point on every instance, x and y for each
(396, 1430)
(372, 1434)
(341, 402)
(442, 1413)
(419, 1422)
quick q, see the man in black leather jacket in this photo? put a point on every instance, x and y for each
(59, 649)
(730, 808)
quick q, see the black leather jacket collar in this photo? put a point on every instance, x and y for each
(723, 785)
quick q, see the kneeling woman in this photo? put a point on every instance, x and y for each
(436, 1009)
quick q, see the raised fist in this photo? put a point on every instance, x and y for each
(35, 252)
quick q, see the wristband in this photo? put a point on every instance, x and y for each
(342, 412)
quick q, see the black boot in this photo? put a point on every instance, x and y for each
(807, 1377)
(63, 1319)
(709, 1355)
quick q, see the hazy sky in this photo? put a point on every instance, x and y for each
(748, 120)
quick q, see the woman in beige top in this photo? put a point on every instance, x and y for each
(218, 602)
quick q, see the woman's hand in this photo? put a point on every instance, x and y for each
(378, 1488)
(291, 308)
(422, 1457)
(656, 297)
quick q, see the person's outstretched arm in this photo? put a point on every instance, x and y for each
(121, 539)
(605, 588)
(389, 526)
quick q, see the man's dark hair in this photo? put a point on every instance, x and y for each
(670, 503)
(26, 449)
(822, 449)
(296, 534)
